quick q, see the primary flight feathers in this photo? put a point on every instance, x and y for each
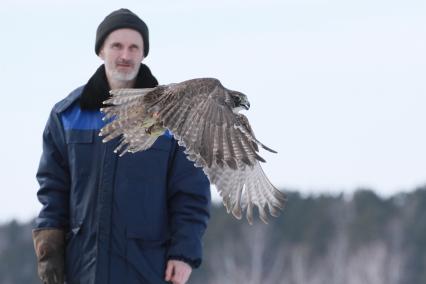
(203, 116)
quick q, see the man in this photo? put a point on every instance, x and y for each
(108, 219)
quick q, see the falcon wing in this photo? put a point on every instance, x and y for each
(199, 113)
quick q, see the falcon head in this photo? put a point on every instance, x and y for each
(239, 101)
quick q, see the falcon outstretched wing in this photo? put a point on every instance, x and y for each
(203, 117)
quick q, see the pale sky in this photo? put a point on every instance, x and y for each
(336, 87)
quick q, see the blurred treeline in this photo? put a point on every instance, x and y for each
(327, 239)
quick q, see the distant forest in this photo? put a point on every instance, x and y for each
(327, 239)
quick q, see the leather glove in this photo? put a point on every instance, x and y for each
(49, 245)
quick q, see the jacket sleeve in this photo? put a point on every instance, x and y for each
(189, 209)
(53, 178)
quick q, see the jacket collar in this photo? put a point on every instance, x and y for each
(97, 88)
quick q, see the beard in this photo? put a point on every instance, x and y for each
(122, 75)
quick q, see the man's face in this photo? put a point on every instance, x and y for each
(122, 53)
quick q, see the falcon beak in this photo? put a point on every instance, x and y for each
(246, 105)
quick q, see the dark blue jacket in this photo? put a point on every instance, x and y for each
(124, 216)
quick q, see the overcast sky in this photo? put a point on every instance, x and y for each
(336, 87)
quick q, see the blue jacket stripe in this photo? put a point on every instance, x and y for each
(75, 118)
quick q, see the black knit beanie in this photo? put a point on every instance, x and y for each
(120, 19)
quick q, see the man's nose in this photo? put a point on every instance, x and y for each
(125, 54)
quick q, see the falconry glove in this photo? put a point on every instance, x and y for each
(49, 245)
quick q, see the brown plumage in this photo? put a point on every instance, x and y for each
(203, 116)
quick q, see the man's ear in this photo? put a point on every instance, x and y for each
(101, 54)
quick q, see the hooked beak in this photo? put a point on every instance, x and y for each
(246, 105)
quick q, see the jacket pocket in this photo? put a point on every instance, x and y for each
(81, 153)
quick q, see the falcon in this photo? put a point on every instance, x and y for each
(203, 116)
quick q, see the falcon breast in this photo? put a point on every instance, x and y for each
(203, 117)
